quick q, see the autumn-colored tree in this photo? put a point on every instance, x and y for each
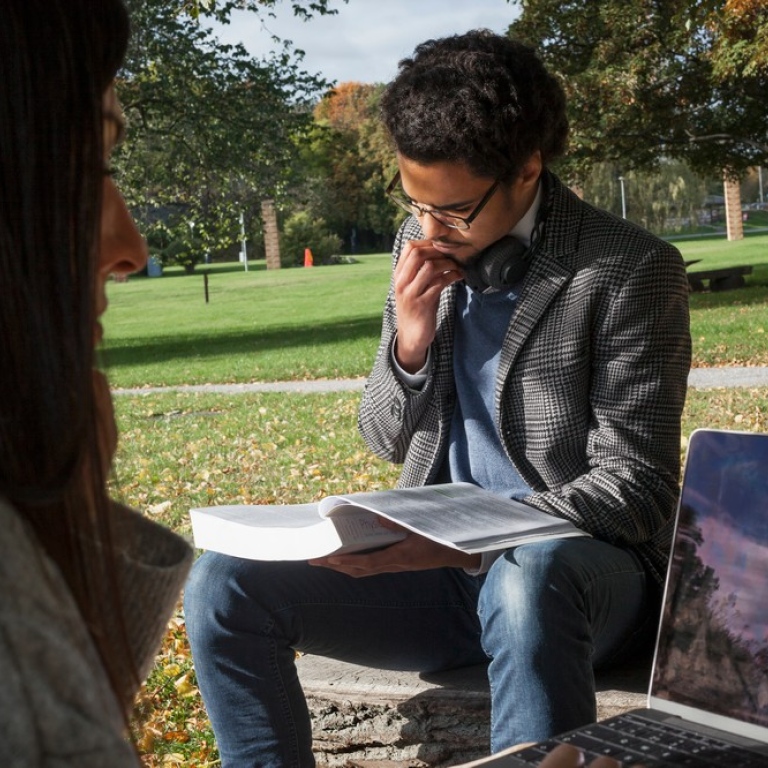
(346, 105)
(741, 45)
(648, 79)
(348, 161)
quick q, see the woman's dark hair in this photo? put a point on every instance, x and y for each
(57, 57)
(479, 99)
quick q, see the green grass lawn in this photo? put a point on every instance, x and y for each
(324, 322)
(728, 327)
(716, 252)
(258, 325)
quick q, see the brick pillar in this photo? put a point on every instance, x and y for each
(271, 235)
(733, 222)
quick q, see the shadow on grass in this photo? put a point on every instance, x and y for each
(143, 351)
(750, 294)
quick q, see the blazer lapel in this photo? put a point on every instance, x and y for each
(545, 279)
(547, 276)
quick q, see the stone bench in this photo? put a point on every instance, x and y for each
(370, 718)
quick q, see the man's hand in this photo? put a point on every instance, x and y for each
(421, 274)
(413, 553)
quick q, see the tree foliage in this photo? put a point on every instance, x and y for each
(348, 161)
(648, 79)
(221, 10)
(669, 199)
(741, 47)
(212, 129)
(301, 231)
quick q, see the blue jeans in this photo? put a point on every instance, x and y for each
(544, 615)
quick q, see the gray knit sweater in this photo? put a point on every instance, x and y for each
(56, 707)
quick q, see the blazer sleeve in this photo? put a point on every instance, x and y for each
(389, 410)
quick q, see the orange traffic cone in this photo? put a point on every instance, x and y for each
(307, 257)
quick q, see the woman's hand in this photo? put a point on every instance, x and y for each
(566, 756)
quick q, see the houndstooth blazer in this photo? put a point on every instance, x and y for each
(591, 384)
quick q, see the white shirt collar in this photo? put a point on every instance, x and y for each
(523, 230)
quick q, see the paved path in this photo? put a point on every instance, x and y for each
(708, 378)
(318, 385)
(699, 378)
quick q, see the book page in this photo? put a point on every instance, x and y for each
(460, 515)
(358, 526)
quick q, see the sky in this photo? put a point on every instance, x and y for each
(366, 39)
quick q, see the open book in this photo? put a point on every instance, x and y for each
(459, 515)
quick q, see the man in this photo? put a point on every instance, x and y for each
(532, 345)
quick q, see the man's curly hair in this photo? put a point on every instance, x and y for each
(479, 99)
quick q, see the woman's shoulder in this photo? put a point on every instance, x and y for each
(56, 701)
(29, 580)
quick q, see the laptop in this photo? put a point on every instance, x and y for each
(708, 694)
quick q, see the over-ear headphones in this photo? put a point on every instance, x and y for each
(505, 262)
(500, 266)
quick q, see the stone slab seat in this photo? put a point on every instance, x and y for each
(372, 718)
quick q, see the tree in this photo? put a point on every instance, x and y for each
(668, 199)
(741, 47)
(649, 79)
(212, 130)
(349, 160)
(221, 10)
(301, 231)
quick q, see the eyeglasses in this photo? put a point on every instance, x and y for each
(449, 220)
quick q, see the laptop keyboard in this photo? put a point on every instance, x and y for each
(631, 739)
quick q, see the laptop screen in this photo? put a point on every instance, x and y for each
(712, 652)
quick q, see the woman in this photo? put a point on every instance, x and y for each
(86, 585)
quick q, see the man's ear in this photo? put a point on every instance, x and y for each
(529, 175)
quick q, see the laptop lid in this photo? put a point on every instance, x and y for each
(711, 661)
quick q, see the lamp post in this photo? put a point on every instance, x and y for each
(623, 199)
(243, 254)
